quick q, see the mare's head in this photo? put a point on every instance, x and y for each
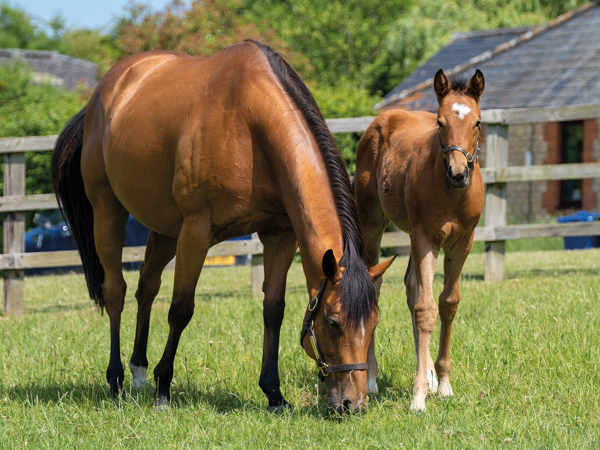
(344, 319)
(459, 122)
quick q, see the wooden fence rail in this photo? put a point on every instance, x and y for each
(494, 232)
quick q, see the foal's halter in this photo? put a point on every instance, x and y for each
(308, 328)
(471, 159)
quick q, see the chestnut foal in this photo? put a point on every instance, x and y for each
(421, 171)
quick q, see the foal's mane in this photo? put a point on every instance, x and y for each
(356, 282)
(459, 84)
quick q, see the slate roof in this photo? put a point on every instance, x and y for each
(556, 64)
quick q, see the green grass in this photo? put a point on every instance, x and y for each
(525, 351)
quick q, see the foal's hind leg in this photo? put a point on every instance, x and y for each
(110, 219)
(159, 251)
(279, 253)
(448, 304)
(192, 247)
(419, 296)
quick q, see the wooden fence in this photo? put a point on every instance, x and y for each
(494, 233)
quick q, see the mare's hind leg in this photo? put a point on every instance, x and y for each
(159, 251)
(419, 296)
(192, 247)
(448, 304)
(110, 219)
(279, 253)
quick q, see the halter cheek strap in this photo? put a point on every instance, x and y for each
(308, 328)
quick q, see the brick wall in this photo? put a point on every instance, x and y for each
(591, 153)
(590, 137)
(553, 139)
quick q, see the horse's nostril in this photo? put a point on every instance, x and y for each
(347, 404)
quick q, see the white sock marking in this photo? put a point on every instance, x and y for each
(461, 110)
(138, 376)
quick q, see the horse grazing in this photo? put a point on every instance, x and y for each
(421, 172)
(199, 151)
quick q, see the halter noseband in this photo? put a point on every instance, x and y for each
(308, 328)
(471, 159)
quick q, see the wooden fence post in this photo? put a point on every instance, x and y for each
(495, 200)
(257, 272)
(14, 233)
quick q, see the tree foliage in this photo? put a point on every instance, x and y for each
(31, 109)
(201, 29)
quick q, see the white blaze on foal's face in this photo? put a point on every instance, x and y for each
(461, 110)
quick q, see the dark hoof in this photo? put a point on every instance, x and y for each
(161, 403)
(115, 386)
(280, 409)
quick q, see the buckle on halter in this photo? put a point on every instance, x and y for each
(323, 370)
(314, 302)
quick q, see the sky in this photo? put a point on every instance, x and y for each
(80, 13)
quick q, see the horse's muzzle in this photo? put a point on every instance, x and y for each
(460, 180)
(346, 407)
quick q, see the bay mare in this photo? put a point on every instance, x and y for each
(421, 171)
(199, 151)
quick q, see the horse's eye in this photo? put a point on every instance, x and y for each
(334, 324)
(440, 124)
(478, 124)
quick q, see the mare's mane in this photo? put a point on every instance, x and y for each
(359, 299)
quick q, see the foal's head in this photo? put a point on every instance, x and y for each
(459, 122)
(344, 320)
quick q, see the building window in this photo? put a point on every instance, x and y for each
(572, 152)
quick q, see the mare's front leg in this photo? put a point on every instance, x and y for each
(419, 296)
(192, 247)
(279, 251)
(160, 249)
(453, 263)
(110, 219)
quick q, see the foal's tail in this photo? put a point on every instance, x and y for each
(74, 204)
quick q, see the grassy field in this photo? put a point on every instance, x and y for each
(526, 367)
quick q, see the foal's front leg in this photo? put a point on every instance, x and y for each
(449, 298)
(419, 296)
(279, 251)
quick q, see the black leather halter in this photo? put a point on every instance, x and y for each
(471, 159)
(308, 328)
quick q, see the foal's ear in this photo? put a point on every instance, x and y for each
(330, 266)
(376, 272)
(441, 85)
(476, 85)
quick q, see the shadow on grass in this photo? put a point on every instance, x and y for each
(217, 398)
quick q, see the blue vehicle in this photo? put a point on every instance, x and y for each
(52, 234)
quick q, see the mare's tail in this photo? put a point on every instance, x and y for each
(74, 204)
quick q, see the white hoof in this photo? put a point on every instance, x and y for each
(418, 406)
(432, 381)
(138, 376)
(445, 390)
(372, 386)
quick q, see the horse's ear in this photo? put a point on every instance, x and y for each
(376, 272)
(476, 85)
(330, 266)
(441, 85)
